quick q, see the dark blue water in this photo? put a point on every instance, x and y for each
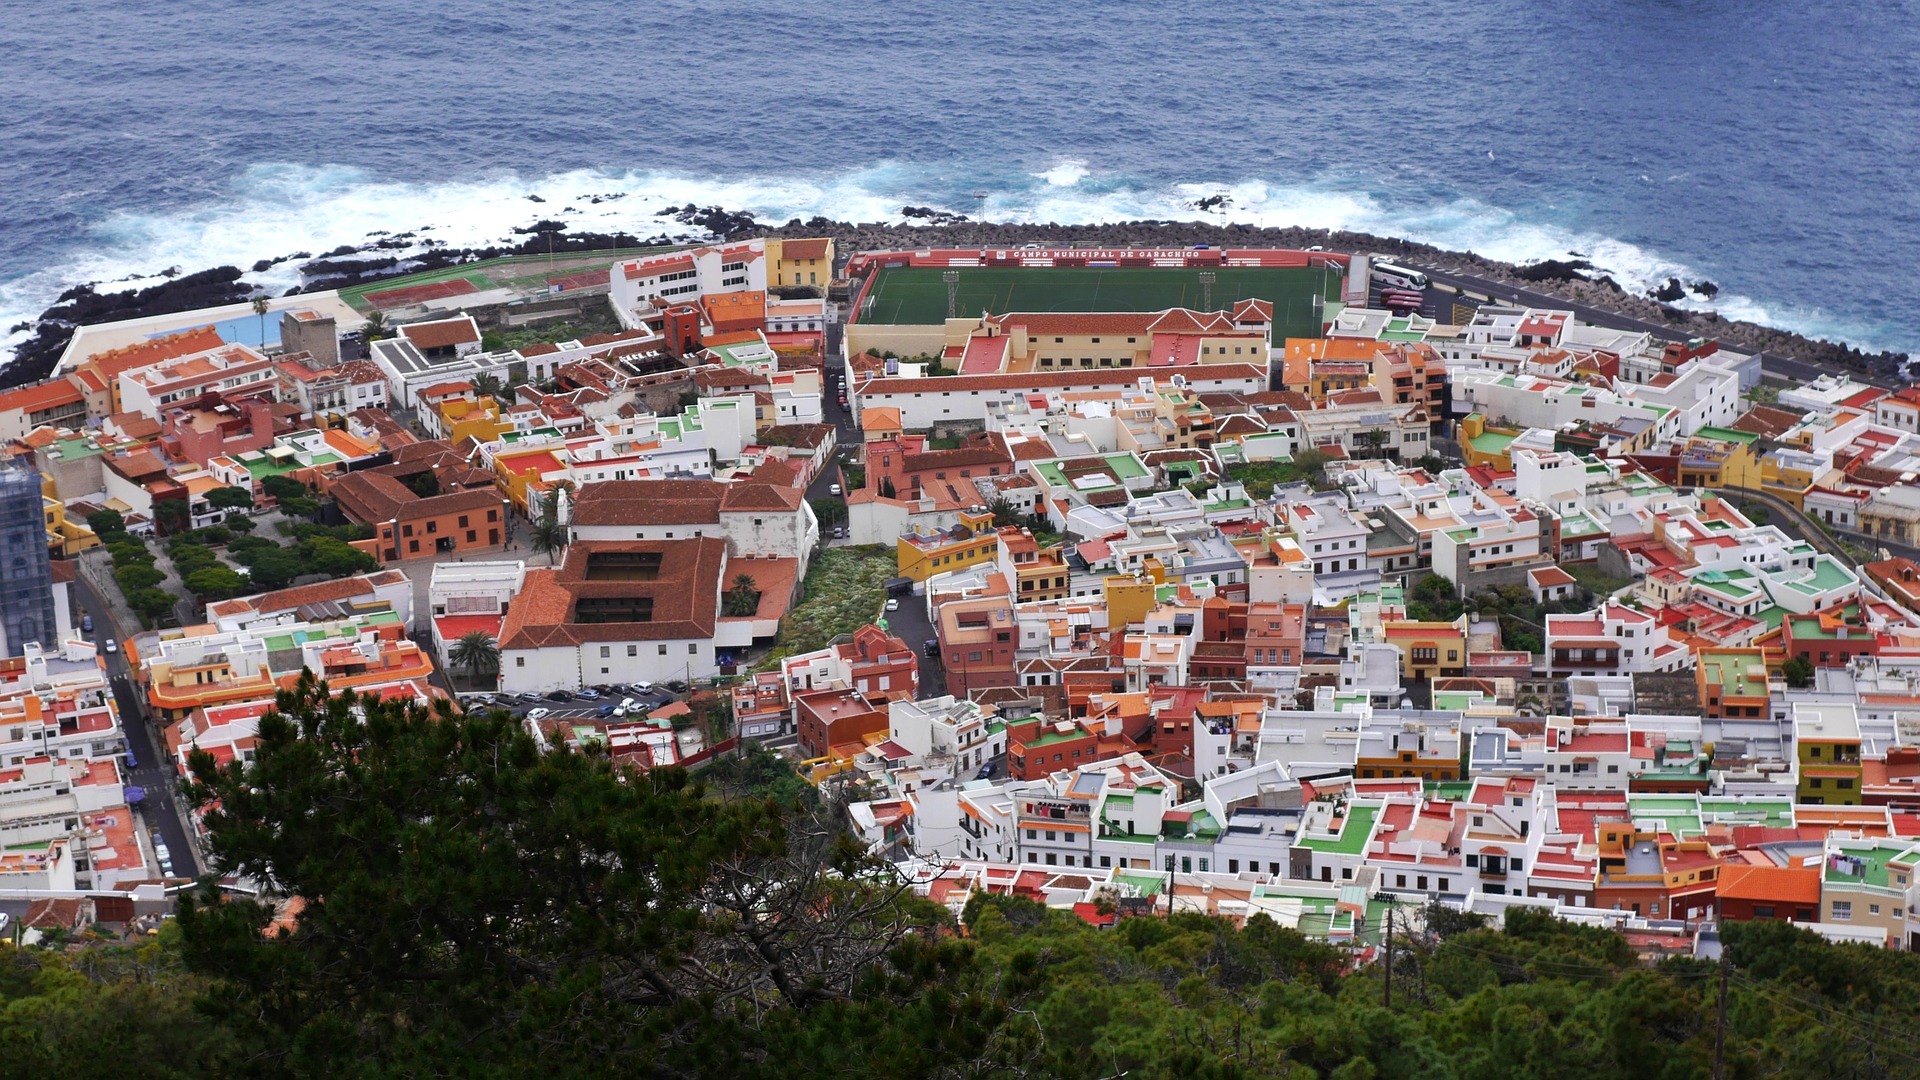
(1771, 148)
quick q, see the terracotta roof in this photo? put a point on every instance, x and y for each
(369, 497)
(648, 502)
(685, 592)
(804, 249)
(156, 350)
(44, 396)
(1040, 380)
(443, 333)
(1783, 884)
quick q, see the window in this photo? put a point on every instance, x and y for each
(633, 650)
(1033, 834)
(519, 661)
(1843, 911)
(693, 648)
(663, 650)
(606, 651)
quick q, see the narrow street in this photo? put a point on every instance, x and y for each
(163, 810)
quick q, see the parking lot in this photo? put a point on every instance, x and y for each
(581, 706)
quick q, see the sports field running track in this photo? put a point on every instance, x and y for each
(904, 295)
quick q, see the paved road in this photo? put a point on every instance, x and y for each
(164, 810)
(1439, 302)
(910, 624)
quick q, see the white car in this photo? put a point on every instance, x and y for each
(833, 489)
(629, 703)
(112, 646)
(539, 714)
(893, 605)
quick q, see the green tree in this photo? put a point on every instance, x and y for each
(376, 326)
(829, 511)
(276, 568)
(135, 576)
(104, 522)
(424, 484)
(476, 653)
(743, 599)
(230, 498)
(887, 490)
(283, 487)
(1799, 672)
(261, 305)
(172, 515)
(548, 536)
(188, 558)
(216, 583)
(333, 557)
(1004, 512)
(239, 522)
(474, 905)
(151, 602)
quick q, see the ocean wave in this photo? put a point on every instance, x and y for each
(273, 210)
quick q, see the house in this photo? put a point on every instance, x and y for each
(801, 262)
(444, 338)
(764, 514)
(1748, 892)
(464, 511)
(616, 611)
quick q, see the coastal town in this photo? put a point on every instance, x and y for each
(1132, 581)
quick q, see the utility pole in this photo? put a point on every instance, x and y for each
(1720, 1022)
(1388, 956)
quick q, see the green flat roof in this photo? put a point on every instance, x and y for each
(1726, 434)
(1355, 828)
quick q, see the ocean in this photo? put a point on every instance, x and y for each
(1772, 149)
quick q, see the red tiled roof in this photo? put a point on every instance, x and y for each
(442, 333)
(803, 249)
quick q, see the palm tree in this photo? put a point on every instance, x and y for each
(261, 305)
(477, 653)
(375, 327)
(486, 385)
(549, 537)
(743, 599)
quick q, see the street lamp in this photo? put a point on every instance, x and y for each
(1206, 290)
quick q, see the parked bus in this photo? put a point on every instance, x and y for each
(1392, 276)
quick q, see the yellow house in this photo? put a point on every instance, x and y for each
(65, 538)
(479, 420)
(1826, 740)
(1719, 457)
(972, 542)
(800, 262)
(1483, 445)
(1129, 599)
(521, 475)
(1429, 650)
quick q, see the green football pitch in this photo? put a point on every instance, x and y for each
(917, 295)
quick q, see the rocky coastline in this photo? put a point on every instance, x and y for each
(407, 253)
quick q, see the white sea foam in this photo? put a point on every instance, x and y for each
(276, 210)
(1065, 174)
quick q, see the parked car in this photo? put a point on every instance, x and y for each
(629, 703)
(606, 711)
(893, 604)
(589, 694)
(525, 699)
(86, 624)
(112, 646)
(833, 489)
(559, 695)
(931, 647)
(840, 532)
(643, 686)
(539, 714)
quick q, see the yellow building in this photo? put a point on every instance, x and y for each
(800, 262)
(972, 542)
(65, 538)
(1429, 650)
(1719, 457)
(1129, 599)
(1484, 445)
(479, 420)
(1826, 741)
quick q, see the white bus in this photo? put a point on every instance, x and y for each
(1402, 277)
